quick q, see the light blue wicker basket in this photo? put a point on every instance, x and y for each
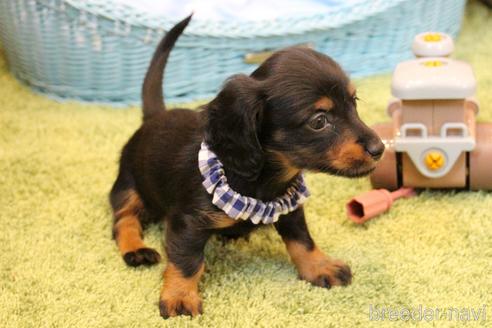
(99, 51)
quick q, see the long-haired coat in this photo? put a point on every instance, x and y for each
(296, 112)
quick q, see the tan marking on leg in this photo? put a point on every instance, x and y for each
(132, 205)
(324, 103)
(305, 261)
(315, 267)
(179, 294)
(128, 234)
(127, 231)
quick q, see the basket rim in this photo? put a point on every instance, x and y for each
(341, 15)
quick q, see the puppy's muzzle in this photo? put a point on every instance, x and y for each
(374, 147)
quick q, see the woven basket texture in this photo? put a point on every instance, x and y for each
(99, 51)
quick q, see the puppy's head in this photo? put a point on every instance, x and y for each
(297, 109)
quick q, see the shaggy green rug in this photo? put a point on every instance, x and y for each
(60, 268)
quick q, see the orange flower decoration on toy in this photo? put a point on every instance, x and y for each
(434, 160)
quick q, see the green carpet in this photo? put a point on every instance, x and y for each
(60, 268)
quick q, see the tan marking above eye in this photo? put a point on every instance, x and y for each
(324, 103)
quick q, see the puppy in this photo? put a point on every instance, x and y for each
(296, 112)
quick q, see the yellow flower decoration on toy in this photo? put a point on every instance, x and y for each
(434, 160)
(432, 37)
(433, 63)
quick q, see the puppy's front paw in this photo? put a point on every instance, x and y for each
(328, 273)
(317, 268)
(142, 256)
(179, 294)
(180, 304)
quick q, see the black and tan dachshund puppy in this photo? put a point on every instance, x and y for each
(296, 112)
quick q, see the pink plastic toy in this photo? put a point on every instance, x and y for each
(372, 203)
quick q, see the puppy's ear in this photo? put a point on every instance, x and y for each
(233, 126)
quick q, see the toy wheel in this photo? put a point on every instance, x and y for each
(385, 174)
(480, 159)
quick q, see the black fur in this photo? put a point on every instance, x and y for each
(238, 107)
(258, 126)
(152, 97)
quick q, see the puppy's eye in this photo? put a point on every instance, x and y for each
(319, 122)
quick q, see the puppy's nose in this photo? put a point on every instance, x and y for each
(375, 148)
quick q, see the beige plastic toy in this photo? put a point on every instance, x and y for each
(433, 140)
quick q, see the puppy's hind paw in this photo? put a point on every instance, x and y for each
(142, 256)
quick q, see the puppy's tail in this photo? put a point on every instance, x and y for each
(152, 98)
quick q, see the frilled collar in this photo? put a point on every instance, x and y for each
(238, 206)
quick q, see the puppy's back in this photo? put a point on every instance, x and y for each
(162, 157)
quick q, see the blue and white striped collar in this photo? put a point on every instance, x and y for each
(238, 206)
